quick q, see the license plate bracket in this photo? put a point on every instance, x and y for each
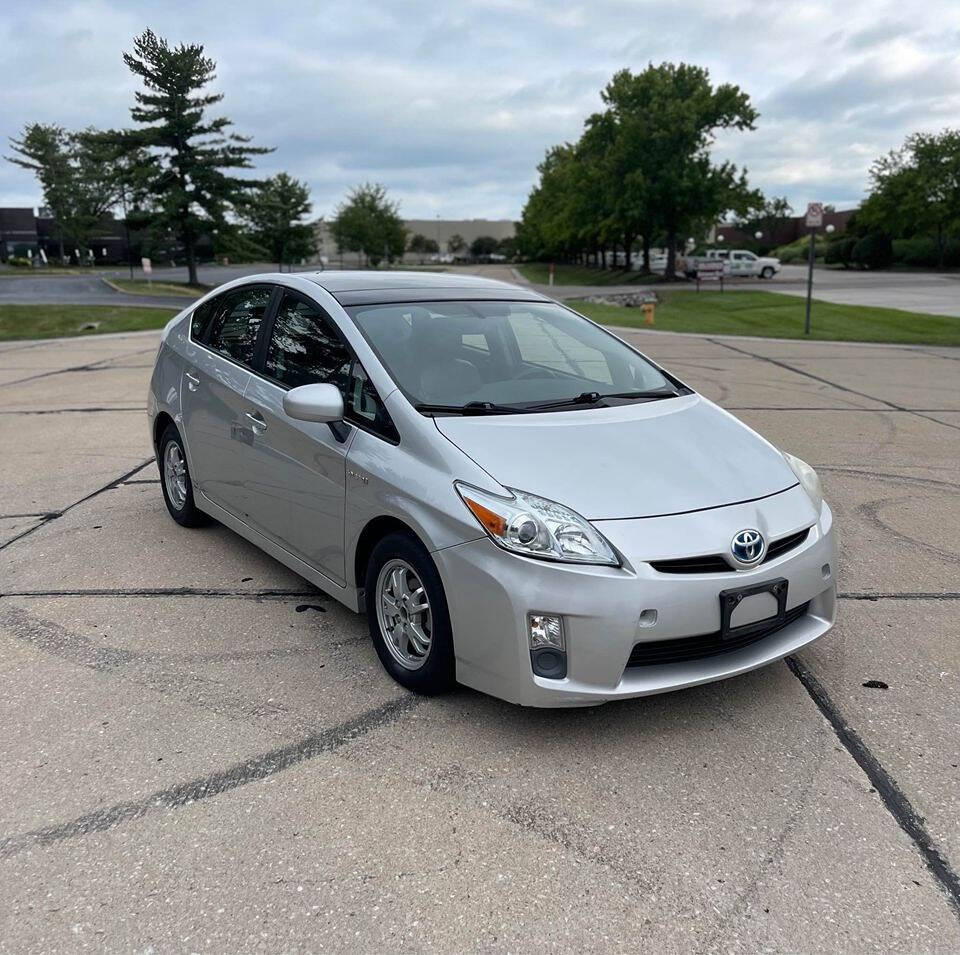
(731, 599)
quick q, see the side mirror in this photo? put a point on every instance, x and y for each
(322, 403)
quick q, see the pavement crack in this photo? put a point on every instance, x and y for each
(893, 797)
(917, 595)
(251, 770)
(116, 482)
(266, 594)
(826, 381)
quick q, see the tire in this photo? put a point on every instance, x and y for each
(767, 272)
(399, 569)
(177, 495)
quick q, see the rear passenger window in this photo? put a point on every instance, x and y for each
(304, 349)
(236, 322)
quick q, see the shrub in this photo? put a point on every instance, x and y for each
(873, 251)
(840, 251)
(922, 250)
(19, 261)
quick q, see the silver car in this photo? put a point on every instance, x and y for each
(520, 501)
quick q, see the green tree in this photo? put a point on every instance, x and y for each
(482, 246)
(421, 245)
(641, 168)
(456, 243)
(78, 176)
(275, 213)
(188, 172)
(916, 190)
(679, 113)
(368, 222)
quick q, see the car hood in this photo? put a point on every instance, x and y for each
(637, 460)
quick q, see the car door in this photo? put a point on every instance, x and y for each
(295, 485)
(217, 431)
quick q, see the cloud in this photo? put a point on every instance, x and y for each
(452, 106)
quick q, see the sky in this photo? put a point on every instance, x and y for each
(452, 105)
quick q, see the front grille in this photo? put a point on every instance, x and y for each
(684, 649)
(715, 564)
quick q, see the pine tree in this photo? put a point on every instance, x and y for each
(190, 157)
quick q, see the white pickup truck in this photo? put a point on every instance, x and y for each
(741, 262)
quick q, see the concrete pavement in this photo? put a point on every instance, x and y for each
(202, 752)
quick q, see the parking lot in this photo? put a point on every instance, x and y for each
(201, 752)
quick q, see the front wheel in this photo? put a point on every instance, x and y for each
(767, 272)
(408, 616)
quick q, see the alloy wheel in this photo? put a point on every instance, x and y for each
(175, 475)
(404, 615)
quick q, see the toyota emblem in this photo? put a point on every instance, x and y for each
(748, 547)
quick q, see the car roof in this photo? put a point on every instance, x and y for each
(373, 287)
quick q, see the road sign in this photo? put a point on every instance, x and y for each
(147, 265)
(814, 215)
(710, 270)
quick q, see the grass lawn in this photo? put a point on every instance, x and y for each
(539, 273)
(143, 287)
(55, 321)
(772, 315)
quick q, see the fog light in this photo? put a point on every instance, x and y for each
(548, 655)
(546, 631)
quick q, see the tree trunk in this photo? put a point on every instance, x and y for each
(646, 251)
(191, 252)
(671, 271)
(603, 257)
(628, 251)
(940, 245)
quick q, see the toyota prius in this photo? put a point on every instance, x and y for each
(518, 500)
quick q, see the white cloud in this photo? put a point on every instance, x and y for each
(453, 106)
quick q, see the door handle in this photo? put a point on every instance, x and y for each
(256, 422)
(193, 382)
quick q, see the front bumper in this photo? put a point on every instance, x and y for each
(490, 593)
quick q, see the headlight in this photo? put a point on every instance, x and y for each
(807, 477)
(533, 526)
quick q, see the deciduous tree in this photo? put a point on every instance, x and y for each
(369, 222)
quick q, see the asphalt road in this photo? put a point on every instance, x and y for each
(934, 293)
(201, 752)
(937, 294)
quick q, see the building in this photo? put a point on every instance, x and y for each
(440, 230)
(18, 234)
(787, 231)
(24, 233)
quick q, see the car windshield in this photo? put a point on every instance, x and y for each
(497, 357)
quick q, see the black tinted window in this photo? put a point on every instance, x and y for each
(363, 405)
(236, 321)
(303, 348)
(199, 319)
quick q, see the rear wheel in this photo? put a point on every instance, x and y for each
(175, 480)
(408, 616)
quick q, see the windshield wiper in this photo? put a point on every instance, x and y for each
(470, 408)
(592, 397)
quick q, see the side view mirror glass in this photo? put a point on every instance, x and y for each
(322, 403)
